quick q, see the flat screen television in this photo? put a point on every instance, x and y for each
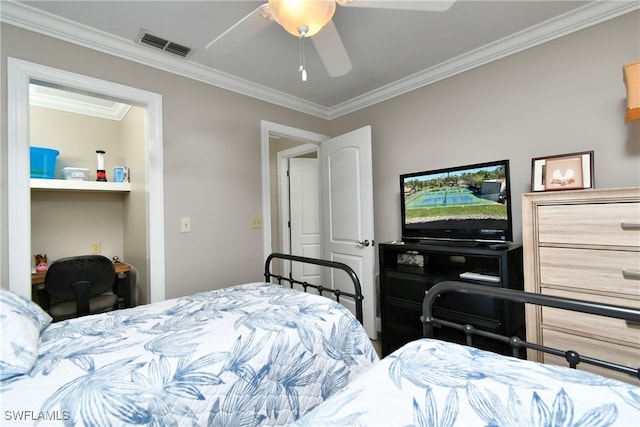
(470, 203)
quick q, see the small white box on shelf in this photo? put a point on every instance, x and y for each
(75, 174)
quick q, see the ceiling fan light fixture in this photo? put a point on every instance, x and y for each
(293, 14)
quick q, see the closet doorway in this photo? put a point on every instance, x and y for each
(20, 75)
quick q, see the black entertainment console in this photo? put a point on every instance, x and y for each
(408, 270)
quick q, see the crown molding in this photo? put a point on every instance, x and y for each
(72, 102)
(24, 16)
(579, 19)
(32, 19)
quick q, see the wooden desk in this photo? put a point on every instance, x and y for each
(37, 278)
(122, 287)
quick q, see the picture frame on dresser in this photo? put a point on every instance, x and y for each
(573, 171)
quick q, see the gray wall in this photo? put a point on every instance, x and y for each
(212, 170)
(560, 97)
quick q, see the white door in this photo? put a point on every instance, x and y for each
(347, 199)
(304, 206)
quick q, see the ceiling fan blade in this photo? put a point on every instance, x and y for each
(241, 31)
(331, 50)
(419, 5)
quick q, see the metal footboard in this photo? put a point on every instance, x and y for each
(517, 344)
(357, 290)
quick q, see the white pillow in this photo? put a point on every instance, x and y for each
(21, 322)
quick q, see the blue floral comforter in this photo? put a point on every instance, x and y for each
(250, 355)
(435, 383)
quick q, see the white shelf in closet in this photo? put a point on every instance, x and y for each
(74, 185)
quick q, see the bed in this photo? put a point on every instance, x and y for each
(429, 382)
(248, 355)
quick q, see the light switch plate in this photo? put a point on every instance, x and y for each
(256, 221)
(185, 225)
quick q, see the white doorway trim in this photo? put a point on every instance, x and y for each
(270, 129)
(19, 75)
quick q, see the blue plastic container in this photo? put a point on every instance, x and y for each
(43, 162)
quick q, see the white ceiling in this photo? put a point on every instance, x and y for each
(391, 51)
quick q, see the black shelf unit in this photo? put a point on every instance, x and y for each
(403, 283)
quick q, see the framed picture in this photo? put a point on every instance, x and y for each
(562, 172)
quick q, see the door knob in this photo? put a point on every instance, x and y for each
(363, 243)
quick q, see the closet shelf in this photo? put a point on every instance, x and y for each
(72, 185)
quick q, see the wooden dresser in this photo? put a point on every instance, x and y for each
(584, 244)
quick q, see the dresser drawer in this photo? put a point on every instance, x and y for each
(598, 327)
(590, 224)
(604, 299)
(591, 270)
(624, 355)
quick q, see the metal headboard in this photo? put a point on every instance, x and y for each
(573, 357)
(357, 290)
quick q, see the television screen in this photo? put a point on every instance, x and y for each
(464, 203)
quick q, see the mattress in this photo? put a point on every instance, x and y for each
(435, 383)
(254, 354)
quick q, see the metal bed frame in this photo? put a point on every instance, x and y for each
(516, 343)
(337, 293)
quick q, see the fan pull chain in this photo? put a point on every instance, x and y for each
(302, 30)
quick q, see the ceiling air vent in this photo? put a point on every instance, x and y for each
(159, 43)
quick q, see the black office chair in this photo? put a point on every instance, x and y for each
(77, 286)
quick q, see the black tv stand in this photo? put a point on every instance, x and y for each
(462, 243)
(409, 269)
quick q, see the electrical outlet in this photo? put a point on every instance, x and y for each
(96, 248)
(185, 225)
(256, 221)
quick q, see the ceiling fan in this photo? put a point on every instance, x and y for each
(312, 19)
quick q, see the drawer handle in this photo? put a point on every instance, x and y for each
(630, 225)
(631, 274)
